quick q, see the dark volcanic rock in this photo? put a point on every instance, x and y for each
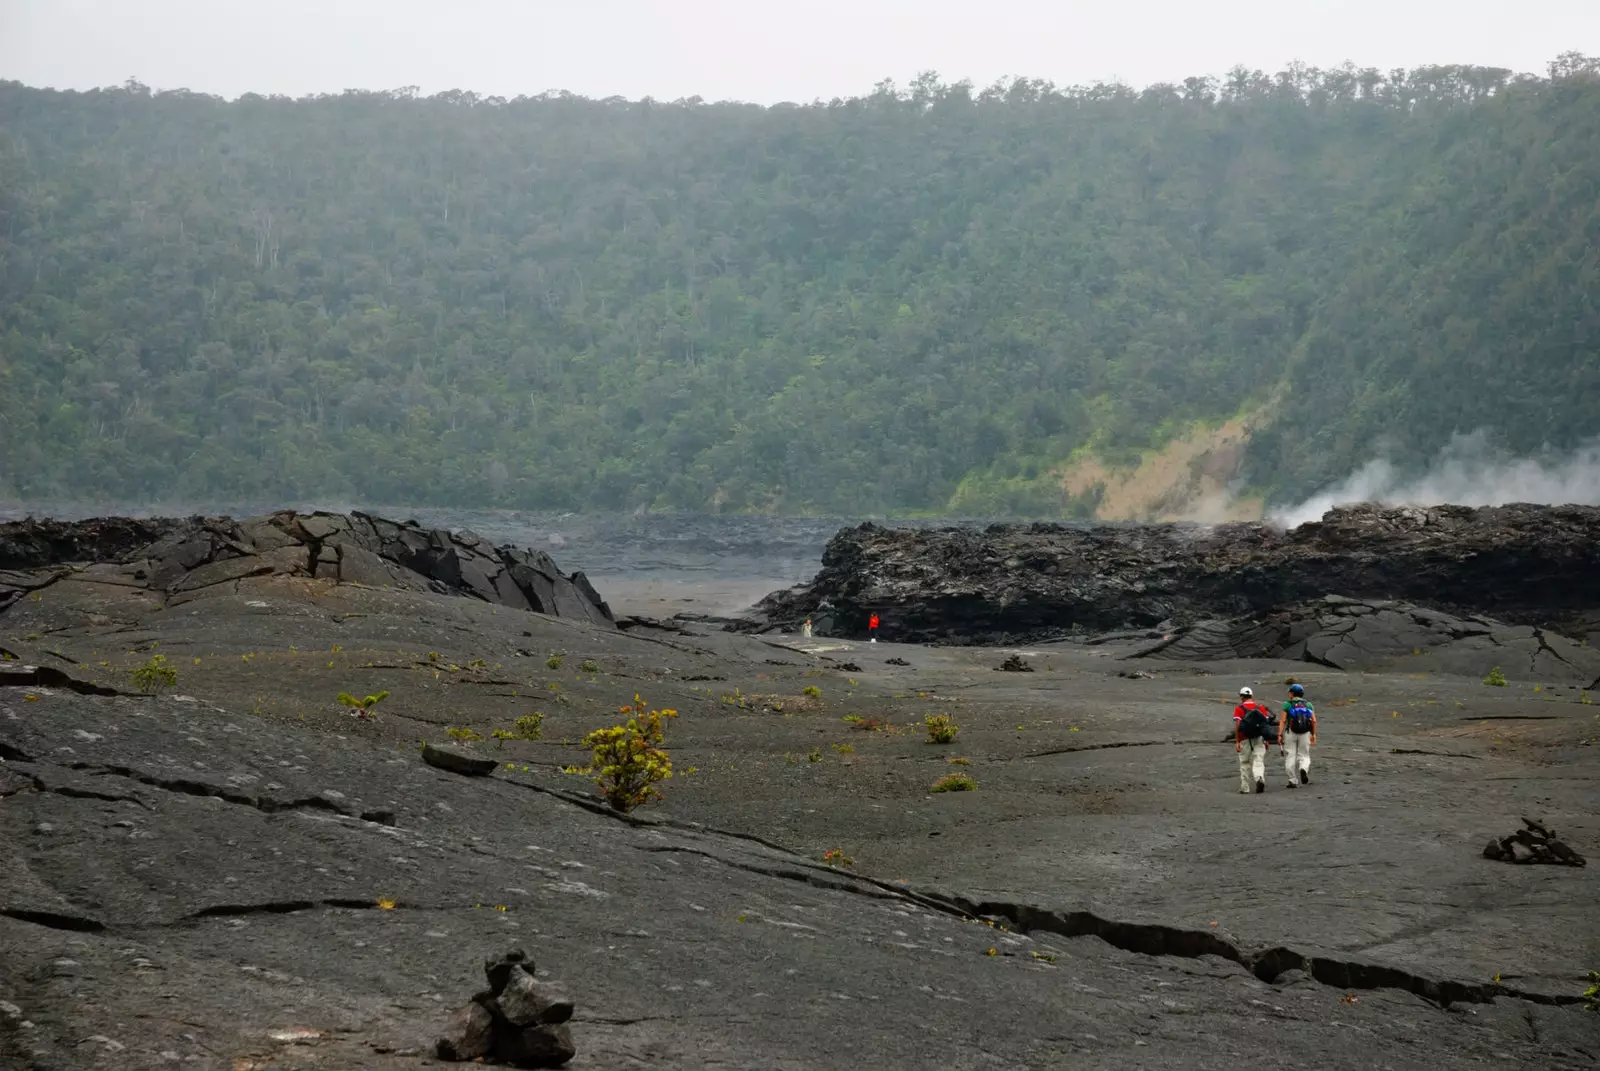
(182, 558)
(457, 762)
(1014, 664)
(513, 1022)
(1353, 634)
(470, 1036)
(1024, 582)
(1534, 843)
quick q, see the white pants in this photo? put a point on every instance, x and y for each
(1252, 764)
(1296, 754)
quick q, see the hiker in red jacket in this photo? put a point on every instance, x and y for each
(1254, 728)
(872, 628)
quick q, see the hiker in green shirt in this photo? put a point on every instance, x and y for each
(1297, 731)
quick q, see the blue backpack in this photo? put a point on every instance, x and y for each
(1300, 713)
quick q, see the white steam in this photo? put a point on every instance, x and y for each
(1469, 471)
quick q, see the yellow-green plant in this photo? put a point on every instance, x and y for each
(154, 675)
(554, 662)
(526, 727)
(942, 728)
(956, 782)
(589, 665)
(465, 734)
(835, 857)
(362, 707)
(1495, 679)
(812, 691)
(628, 758)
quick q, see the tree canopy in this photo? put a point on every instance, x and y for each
(863, 305)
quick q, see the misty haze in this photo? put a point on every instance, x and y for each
(851, 535)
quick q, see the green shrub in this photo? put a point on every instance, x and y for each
(956, 782)
(589, 665)
(363, 707)
(628, 758)
(464, 734)
(154, 675)
(1495, 679)
(812, 691)
(554, 661)
(527, 727)
(942, 728)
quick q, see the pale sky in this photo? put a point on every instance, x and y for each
(744, 49)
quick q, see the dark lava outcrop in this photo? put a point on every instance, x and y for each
(178, 557)
(1525, 564)
(1355, 634)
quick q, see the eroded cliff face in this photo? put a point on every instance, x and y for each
(180, 558)
(1521, 564)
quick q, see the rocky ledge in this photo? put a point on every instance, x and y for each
(1022, 583)
(180, 558)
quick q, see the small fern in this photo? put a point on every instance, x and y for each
(362, 707)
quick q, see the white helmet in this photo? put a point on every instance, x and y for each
(1245, 692)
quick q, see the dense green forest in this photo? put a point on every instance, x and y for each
(923, 299)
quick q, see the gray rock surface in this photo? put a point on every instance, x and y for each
(192, 880)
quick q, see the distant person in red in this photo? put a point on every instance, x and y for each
(872, 628)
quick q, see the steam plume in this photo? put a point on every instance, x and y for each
(1468, 471)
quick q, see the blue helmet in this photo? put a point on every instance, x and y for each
(1297, 689)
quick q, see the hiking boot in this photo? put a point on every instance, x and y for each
(1292, 784)
(1305, 777)
(1261, 786)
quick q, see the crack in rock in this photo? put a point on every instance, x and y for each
(15, 676)
(264, 804)
(1154, 939)
(54, 920)
(1115, 744)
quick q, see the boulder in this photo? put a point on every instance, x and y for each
(457, 762)
(535, 1046)
(522, 1004)
(470, 1036)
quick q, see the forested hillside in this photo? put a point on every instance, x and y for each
(932, 298)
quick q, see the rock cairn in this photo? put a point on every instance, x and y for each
(511, 1022)
(1536, 843)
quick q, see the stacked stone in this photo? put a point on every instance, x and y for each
(1537, 843)
(511, 1022)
